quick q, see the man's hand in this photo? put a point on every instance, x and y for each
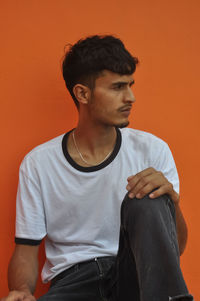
(148, 180)
(19, 296)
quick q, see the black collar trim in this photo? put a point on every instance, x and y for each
(96, 167)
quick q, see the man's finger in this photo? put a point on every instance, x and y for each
(144, 173)
(160, 191)
(133, 180)
(145, 185)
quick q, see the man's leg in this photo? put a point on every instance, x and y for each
(148, 258)
(82, 282)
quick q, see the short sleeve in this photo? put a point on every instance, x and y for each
(165, 163)
(30, 216)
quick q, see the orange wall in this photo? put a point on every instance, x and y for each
(35, 105)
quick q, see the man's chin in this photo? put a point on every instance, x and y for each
(122, 125)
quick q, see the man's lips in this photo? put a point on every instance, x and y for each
(125, 111)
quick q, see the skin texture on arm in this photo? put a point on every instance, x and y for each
(150, 180)
(23, 273)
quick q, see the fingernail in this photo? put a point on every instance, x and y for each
(151, 195)
(138, 195)
(131, 195)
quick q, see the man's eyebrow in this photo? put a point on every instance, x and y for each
(123, 83)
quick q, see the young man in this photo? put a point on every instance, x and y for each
(71, 191)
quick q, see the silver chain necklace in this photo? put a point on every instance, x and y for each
(81, 156)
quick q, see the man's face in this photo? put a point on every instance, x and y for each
(111, 99)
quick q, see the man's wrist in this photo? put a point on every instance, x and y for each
(175, 197)
(20, 294)
(23, 289)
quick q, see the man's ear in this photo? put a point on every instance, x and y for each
(82, 93)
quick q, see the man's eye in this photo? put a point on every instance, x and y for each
(118, 87)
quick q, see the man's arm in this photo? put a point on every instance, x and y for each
(150, 180)
(181, 229)
(23, 273)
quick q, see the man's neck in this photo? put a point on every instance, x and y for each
(95, 138)
(91, 143)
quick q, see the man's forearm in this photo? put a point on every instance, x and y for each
(22, 273)
(181, 228)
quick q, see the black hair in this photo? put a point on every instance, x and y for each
(85, 60)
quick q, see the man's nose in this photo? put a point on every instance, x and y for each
(129, 96)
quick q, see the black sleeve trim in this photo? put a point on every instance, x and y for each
(26, 241)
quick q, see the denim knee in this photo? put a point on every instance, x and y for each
(145, 209)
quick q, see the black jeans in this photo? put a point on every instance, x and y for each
(146, 268)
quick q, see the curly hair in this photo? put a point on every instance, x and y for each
(85, 61)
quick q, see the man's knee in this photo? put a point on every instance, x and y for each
(145, 210)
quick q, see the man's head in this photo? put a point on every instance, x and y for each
(85, 61)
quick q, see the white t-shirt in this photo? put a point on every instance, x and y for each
(77, 209)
